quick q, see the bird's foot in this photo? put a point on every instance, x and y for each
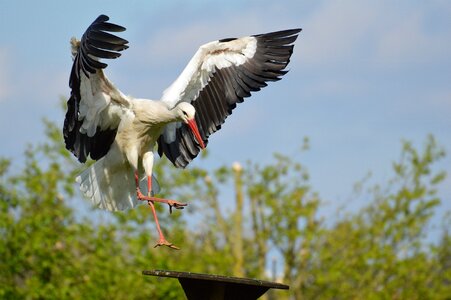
(172, 203)
(176, 205)
(163, 242)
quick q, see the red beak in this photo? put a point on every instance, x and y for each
(193, 126)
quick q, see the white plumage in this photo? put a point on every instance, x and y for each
(99, 183)
(120, 131)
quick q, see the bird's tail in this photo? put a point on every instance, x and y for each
(112, 189)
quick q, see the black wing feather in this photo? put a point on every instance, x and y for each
(95, 43)
(227, 87)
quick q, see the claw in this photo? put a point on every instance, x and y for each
(166, 243)
(176, 205)
(171, 203)
(150, 200)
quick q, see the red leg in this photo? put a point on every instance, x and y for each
(140, 196)
(162, 240)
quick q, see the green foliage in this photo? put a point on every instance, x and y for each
(379, 252)
(50, 250)
(48, 253)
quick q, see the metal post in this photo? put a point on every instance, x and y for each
(216, 287)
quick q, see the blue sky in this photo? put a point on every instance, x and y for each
(364, 75)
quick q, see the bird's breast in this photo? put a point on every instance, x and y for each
(138, 136)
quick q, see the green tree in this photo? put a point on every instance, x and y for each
(49, 250)
(380, 251)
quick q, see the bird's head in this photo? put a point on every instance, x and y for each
(185, 113)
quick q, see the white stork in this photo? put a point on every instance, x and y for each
(120, 132)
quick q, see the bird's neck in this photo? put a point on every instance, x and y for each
(154, 112)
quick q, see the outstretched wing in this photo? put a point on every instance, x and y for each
(96, 107)
(219, 76)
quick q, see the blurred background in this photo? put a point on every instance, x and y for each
(356, 203)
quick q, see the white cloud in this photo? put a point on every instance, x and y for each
(41, 85)
(164, 54)
(333, 34)
(407, 41)
(377, 33)
(48, 85)
(178, 44)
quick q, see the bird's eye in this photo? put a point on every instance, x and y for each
(184, 112)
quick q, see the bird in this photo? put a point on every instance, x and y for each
(120, 132)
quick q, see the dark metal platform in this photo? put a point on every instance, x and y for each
(218, 287)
